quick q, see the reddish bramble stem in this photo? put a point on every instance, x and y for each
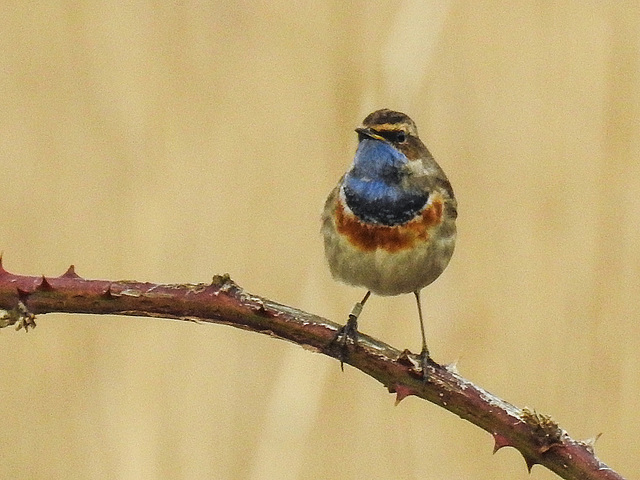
(538, 438)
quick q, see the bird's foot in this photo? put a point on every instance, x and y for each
(349, 331)
(424, 361)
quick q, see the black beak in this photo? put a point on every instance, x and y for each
(368, 133)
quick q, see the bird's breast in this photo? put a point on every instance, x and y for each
(369, 236)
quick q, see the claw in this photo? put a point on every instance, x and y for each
(424, 361)
(350, 330)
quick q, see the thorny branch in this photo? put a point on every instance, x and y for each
(537, 437)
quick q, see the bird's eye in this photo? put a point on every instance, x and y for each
(393, 136)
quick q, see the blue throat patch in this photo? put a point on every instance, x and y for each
(373, 189)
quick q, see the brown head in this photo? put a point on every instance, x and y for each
(397, 129)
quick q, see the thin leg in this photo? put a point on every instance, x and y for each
(424, 354)
(357, 308)
(350, 330)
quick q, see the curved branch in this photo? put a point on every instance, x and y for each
(538, 438)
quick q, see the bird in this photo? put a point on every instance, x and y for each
(389, 224)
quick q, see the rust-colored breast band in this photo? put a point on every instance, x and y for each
(369, 237)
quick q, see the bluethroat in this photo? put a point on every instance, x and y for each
(389, 224)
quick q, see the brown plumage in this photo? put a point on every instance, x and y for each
(389, 224)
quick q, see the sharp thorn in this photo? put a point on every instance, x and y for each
(530, 462)
(70, 273)
(500, 442)
(44, 285)
(107, 293)
(402, 392)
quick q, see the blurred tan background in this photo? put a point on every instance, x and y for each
(170, 141)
